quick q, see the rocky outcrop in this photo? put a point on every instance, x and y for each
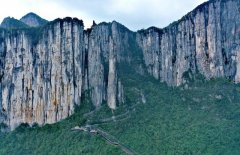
(45, 72)
(206, 41)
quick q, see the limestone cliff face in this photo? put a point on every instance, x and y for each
(103, 44)
(207, 40)
(42, 80)
(44, 72)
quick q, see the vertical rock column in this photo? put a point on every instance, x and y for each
(112, 78)
(2, 63)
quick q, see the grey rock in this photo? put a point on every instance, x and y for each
(42, 81)
(206, 41)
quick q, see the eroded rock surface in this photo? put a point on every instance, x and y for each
(42, 81)
(206, 40)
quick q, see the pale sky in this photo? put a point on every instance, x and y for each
(134, 14)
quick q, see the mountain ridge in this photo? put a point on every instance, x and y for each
(33, 20)
(195, 9)
(27, 21)
(190, 13)
(12, 23)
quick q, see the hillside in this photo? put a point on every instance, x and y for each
(202, 118)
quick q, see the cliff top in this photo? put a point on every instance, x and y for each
(33, 20)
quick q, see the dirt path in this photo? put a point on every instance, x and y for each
(107, 137)
(94, 130)
(112, 140)
(111, 119)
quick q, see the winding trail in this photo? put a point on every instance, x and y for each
(111, 119)
(106, 136)
(112, 140)
(94, 130)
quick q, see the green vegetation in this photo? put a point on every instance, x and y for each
(203, 118)
(35, 33)
(55, 139)
(30, 15)
(12, 23)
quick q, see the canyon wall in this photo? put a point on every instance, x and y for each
(206, 40)
(43, 77)
(44, 72)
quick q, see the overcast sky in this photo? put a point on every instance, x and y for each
(135, 14)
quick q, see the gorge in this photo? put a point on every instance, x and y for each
(45, 71)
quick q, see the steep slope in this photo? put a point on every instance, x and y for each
(206, 40)
(12, 23)
(46, 71)
(156, 119)
(42, 80)
(33, 20)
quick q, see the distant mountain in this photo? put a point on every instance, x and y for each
(33, 20)
(12, 23)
